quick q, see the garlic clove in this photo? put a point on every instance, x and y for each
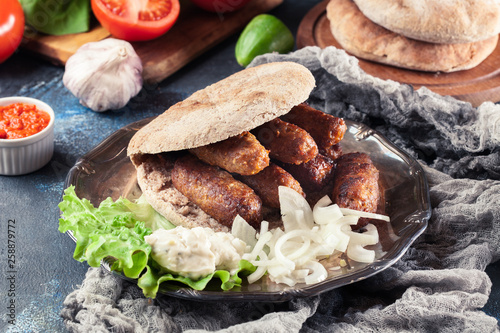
(104, 75)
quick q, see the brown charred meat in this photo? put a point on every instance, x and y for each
(266, 183)
(242, 154)
(216, 192)
(313, 175)
(356, 183)
(286, 142)
(326, 129)
(332, 152)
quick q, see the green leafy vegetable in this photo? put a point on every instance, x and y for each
(112, 230)
(264, 34)
(57, 17)
(116, 230)
(150, 281)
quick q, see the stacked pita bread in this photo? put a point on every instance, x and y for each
(425, 35)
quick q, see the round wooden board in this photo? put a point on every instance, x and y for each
(475, 85)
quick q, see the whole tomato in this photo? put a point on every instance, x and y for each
(220, 6)
(11, 27)
(136, 20)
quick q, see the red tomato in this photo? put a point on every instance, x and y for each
(220, 6)
(11, 27)
(136, 20)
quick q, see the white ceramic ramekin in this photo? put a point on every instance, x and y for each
(25, 155)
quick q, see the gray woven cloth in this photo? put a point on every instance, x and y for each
(439, 285)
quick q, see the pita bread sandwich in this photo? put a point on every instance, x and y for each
(170, 153)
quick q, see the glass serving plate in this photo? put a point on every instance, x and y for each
(106, 171)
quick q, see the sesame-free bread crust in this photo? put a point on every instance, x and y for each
(436, 21)
(229, 107)
(224, 109)
(367, 40)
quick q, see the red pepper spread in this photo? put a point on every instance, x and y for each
(21, 120)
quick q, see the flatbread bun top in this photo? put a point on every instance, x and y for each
(227, 108)
(361, 37)
(436, 21)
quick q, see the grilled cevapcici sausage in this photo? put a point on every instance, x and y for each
(286, 142)
(313, 175)
(266, 183)
(326, 129)
(332, 152)
(242, 154)
(294, 145)
(216, 192)
(356, 183)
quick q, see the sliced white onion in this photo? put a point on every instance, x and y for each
(348, 219)
(292, 255)
(336, 229)
(300, 274)
(301, 220)
(244, 231)
(283, 279)
(324, 212)
(260, 271)
(265, 262)
(326, 248)
(277, 233)
(358, 253)
(369, 237)
(323, 202)
(319, 272)
(348, 211)
(301, 251)
(264, 227)
(259, 246)
(279, 244)
(291, 201)
(277, 271)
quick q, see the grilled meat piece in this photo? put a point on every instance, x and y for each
(326, 129)
(266, 183)
(216, 192)
(286, 142)
(313, 175)
(356, 183)
(242, 154)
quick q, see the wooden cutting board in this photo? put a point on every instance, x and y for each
(475, 85)
(195, 32)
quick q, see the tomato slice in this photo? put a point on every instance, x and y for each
(11, 27)
(136, 20)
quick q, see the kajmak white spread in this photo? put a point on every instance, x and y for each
(197, 252)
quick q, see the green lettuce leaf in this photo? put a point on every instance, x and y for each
(115, 230)
(150, 281)
(111, 230)
(143, 211)
(57, 17)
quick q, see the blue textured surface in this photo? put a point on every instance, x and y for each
(492, 308)
(45, 269)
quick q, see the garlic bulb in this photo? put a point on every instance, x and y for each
(104, 75)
